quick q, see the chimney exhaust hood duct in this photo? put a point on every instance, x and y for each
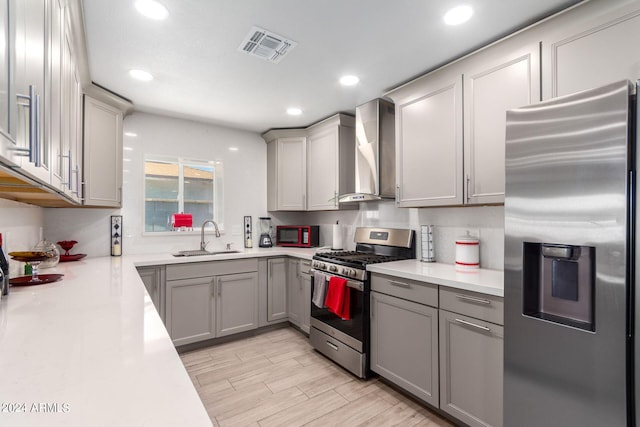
(375, 153)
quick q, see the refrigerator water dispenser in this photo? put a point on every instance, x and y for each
(559, 284)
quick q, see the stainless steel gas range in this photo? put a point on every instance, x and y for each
(345, 339)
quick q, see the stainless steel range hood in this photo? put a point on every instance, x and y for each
(375, 153)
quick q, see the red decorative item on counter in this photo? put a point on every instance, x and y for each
(67, 245)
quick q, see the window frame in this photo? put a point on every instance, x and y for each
(218, 192)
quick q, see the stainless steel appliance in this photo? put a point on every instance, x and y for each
(299, 236)
(375, 152)
(347, 341)
(570, 260)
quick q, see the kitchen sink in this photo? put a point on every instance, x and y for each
(199, 252)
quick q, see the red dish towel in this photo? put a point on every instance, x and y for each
(338, 297)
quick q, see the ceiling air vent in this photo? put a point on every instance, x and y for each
(266, 45)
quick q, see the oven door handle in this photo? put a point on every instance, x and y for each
(350, 283)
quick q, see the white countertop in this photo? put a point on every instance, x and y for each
(91, 350)
(490, 282)
(94, 349)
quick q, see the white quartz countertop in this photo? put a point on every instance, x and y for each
(482, 280)
(91, 350)
(142, 260)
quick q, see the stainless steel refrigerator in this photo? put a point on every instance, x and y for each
(570, 260)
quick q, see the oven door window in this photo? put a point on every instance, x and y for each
(353, 327)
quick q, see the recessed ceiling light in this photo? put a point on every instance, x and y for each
(233, 148)
(294, 111)
(131, 134)
(152, 9)
(349, 80)
(458, 15)
(141, 75)
(127, 148)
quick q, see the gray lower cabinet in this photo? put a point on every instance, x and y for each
(471, 369)
(299, 291)
(153, 279)
(236, 303)
(206, 300)
(276, 289)
(190, 310)
(471, 360)
(404, 344)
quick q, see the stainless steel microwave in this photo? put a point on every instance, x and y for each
(301, 236)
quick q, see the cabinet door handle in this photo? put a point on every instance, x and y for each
(70, 169)
(473, 325)
(468, 187)
(270, 268)
(36, 128)
(473, 299)
(31, 104)
(400, 284)
(219, 285)
(332, 345)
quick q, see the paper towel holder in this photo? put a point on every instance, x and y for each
(336, 242)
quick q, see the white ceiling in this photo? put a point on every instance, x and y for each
(200, 74)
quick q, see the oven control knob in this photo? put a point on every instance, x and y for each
(333, 268)
(352, 273)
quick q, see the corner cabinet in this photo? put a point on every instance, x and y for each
(286, 170)
(277, 289)
(153, 279)
(450, 138)
(308, 168)
(102, 154)
(299, 291)
(330, 160)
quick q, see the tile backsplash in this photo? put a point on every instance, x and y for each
(484, 222)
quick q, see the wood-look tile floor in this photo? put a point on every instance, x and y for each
(277, 379)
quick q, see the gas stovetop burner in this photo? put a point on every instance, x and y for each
(356, 258)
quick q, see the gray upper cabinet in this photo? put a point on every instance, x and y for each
(493, 83)
(31, 152)
(308, 168)
(277, 289)
(450, 140)
(593, 46)
(429, 141)
(102, 154)
(286, 169)
(330, 160)
(6, 88)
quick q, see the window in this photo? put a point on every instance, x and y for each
(181, 186)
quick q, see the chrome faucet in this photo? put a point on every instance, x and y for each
(203, 244)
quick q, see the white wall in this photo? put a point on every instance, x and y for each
(485, 222)
(20, 225)
(245, 194)
(245, 188)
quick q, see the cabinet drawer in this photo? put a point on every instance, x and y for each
(412, 290)
(211, 268)
(480, 306)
